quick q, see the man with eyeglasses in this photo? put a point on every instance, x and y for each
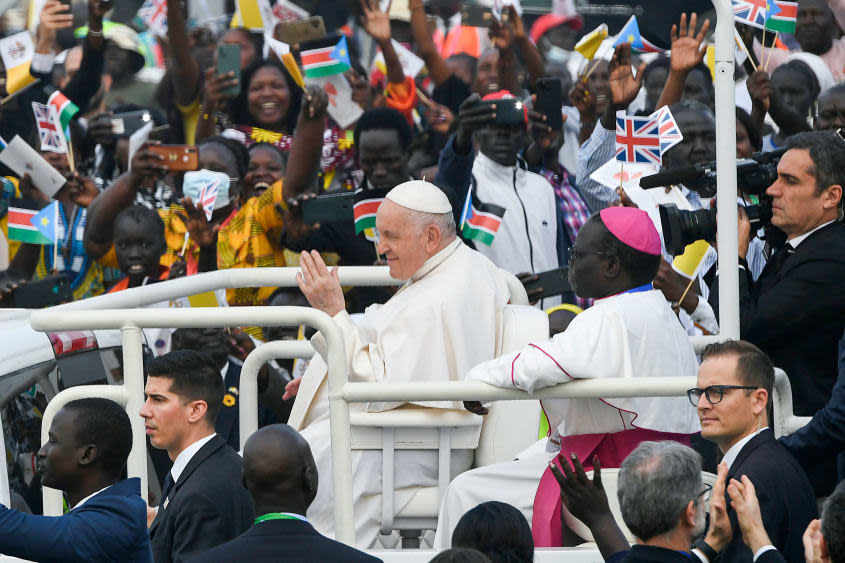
(732, 397)
(795, 310)
(630, 331)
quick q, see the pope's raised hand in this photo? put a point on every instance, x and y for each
(319, 285)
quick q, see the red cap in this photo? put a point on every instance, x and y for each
(632, 227)
(546, 22)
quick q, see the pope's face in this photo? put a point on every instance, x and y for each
(401, 240)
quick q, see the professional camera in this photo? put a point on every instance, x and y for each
(681, 227)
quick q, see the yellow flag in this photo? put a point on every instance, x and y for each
(206, 299)
(250, 14)
(687, 264)
(17, 51)
(710, 60)
(590, 43)
(293, 69)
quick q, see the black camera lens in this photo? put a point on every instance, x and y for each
(681, 227)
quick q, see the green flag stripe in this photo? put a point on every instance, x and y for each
(782, 26)
(365, 222)
(328, 70)
(480, 235)
(29, 236)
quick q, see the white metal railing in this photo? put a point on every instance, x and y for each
(249, 277)
(131, 321)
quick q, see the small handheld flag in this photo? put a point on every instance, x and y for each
(325, 61)
(153, 14)
(364, 208)
(207, 197)
(52, 138)
(688, 263)
(65, 109)
(750, 12)
(590, 43)
(480, 221)
(26, 223)
(630, 33)
(17, 51)
(784, 18)
(668, 130)
(637, 139)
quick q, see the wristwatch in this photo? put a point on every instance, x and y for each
(705, 549)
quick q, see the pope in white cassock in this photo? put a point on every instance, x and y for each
(436, 327)
(630, 331)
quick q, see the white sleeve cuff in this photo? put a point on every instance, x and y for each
(42, 63)
(763, 550)
(701, 556)
(704, 316)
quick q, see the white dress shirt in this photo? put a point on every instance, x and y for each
(730, 455)
(182, 460)
(795, 241)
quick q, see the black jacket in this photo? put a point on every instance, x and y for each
(652, 554)
(284, 540)
(796, 314)
(787, 501)
(208, 505)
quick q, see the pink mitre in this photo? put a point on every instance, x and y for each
(632, 227)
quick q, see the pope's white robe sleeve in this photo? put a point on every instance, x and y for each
(364, 362)
(582, 351)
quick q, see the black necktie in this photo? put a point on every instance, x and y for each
(168, 485)
(780, 257)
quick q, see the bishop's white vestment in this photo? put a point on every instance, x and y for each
(625, 335)
(440, 324)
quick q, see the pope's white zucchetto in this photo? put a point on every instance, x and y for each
(419, 195)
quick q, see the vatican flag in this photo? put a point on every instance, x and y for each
(590, 43)
(16, 51)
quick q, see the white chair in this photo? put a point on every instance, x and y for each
(610, 480)
(784, 422)
(510, 427)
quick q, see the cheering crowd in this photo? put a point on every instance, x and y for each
(456, 144)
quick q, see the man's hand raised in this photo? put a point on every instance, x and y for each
(472, 115)
(319, 285)
(687, 48)
(624, 86)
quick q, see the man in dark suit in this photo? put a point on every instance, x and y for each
(732, 396)
(204, 502)
(796, 310)
(281, 476)
(89, 442)
(824, 436)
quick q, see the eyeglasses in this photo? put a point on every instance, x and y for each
(714, 393)
(706, 493)
(575, 254)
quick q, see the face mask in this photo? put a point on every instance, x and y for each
(555, 54)
(196, 180)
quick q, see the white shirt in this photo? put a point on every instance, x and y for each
(182, 460)
(795, 241)
(730, 455)
(86, 499)
(225, 370)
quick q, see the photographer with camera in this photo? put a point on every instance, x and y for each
(795, 311)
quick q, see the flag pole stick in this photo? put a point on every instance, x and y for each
(16, 92)
(747, 54)
(684, 294)
(56, 236)
(589, 72)
(70, 158)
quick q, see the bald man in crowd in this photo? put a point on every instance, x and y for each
(281, 476)
(439, 325)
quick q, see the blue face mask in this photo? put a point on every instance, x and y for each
(196, 180)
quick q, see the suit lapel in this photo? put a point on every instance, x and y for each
(204, 453)
(228, 417)
(755, 442)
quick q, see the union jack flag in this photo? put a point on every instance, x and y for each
(637, 139)
(750, 12)
(52, 138)
(154, 15)
(207, 197)
(670, 133)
